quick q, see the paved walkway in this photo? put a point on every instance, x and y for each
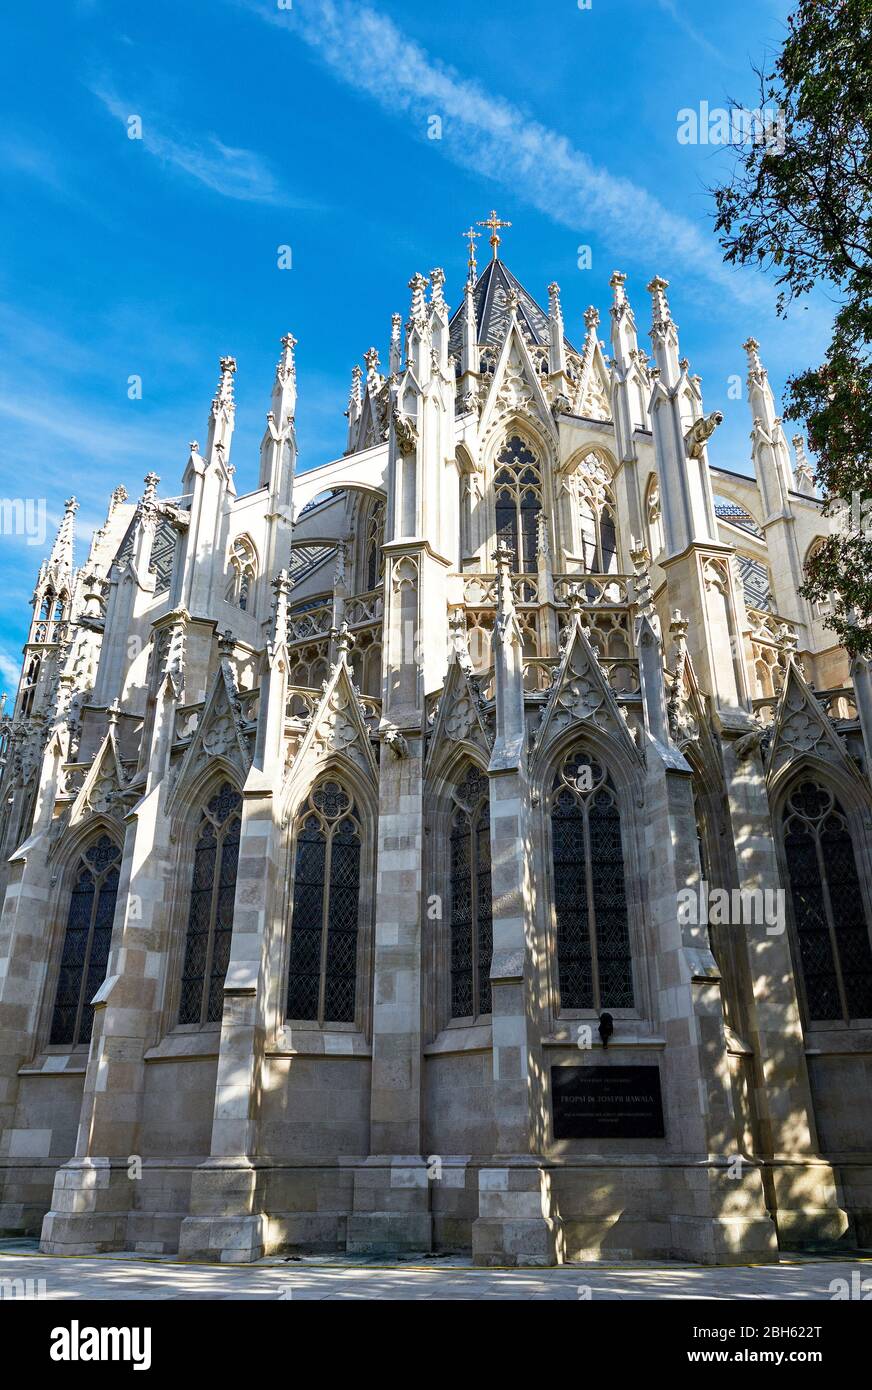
(129, 1276)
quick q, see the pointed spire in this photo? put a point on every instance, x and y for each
(503, 559)
(664, 333)
(624, 340)
(223, 410)
(373, 378)
(284, 394)
(418, 310)
(803, 473)
(148, 501)
(395, 360)
(556, 341)
(60, 561)
(471, 269)
(437, 288)
(281, 587)
(355, 405)
(772, 462)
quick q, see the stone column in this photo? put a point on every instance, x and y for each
(226, 1220)
(391, 1204)
(516, 1222)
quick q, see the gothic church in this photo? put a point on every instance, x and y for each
(346, 824)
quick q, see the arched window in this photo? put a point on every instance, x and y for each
(210, 914)
(518, 497)
(47, 605)
(322, 979)
(85, 952)
(375, 539)
(243, 564)
(590, 902)
(599, 536)
(831, 926)
(471, 922)
(28, 689)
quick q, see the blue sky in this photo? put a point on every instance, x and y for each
(307, 127)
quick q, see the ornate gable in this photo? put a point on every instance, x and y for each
(515, 389)
(219, 733)
(337, 729)
(101, 792)
(801, 728)
(460, 716)
(580, 694)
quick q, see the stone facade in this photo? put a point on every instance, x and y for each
(337, 814)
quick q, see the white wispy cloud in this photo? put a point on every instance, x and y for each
(233, 172)
(672, 9)
(495, 138)
(9, 671)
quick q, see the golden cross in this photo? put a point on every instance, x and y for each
(494, 223)
(472, 236)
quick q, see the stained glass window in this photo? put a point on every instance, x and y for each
(210, 914)
(593, 939)
(471, 920)
(518, 498)
(831, 925)
(322, 979)
(85, 952)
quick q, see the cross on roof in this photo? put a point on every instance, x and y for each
(494, 223)
(472, 236)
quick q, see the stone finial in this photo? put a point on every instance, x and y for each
(678, 632)
(371, 359)
(437, 288)
(396, 352)
(223, 398)
(118, 496)
(787, 642)
(226, 644)
(752, 348)
(503, 559)
(286, 368)
(660, 304)
(617, 282)
(542, 547)
(355, 395)
(512, 300)
(804, 472)
(281, 587)
(555, 309)
(339, 567)
(344, 643)
(418, 285)
(148, 500)
(591, 319)
(112, 714)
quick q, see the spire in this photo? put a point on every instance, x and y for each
(395, 360)
(373, 378)
(664, 333)
(60, 561)
(556, 342)
(284, 395)
(771, 455)
(803, 473)
(437, 288)
(471, 269)
(625, 343)
(279, 430)
(223, 411)
(418, 311)
(355, 405)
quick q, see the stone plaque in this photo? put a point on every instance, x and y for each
(606, 1102)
